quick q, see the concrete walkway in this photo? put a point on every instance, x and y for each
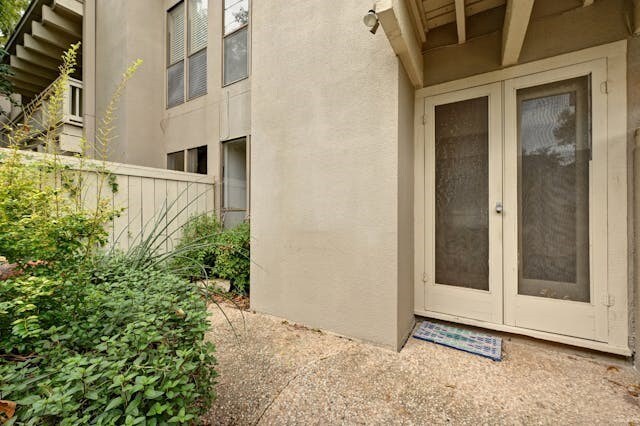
(277, 373)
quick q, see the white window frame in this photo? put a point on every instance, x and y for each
(187, 55)
(224, 37)
(223, 208)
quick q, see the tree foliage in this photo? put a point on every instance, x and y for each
(10, 13)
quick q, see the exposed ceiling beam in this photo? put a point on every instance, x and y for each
(74, 7)
(30, 78)
(397, 25)
(516, 21)
(447, 14)
(50, 35)
(37, 59)
(42, 47)
(418, 23)
(19, 64)
(461, 21)
(26, 87)
(435, 4)
(69, 25)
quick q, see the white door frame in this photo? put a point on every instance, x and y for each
(467, 302)
(547, 313)
(615, 275)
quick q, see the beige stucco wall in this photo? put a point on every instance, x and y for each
(126, 31)
(325, 171)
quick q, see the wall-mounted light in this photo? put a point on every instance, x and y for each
(371, 21)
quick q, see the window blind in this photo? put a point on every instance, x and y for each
(235, 56)
(198, 20)
(175, 31)
(175, 84)
(198, 74)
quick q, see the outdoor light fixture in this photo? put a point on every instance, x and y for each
(371, 21)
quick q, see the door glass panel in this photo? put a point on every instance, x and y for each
(553, 190)
(462, 193)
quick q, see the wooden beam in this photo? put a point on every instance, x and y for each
(26, 87)
(395, 19)
(30, 78)
(69, 25)
(636, 17)
(516, 21)
(25, 66)
(447, 14)
(73, 7)
(51, 35)
(42, 47)
(37, 59)
(461, 21)
(417, 20)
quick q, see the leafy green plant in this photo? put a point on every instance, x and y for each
(43, 210)
(199, 239)
(88, 336)
(130, 350)
(208, 250)
(231, 255)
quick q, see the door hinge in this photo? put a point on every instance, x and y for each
(609, 300)
(604, 87)
(424, 277)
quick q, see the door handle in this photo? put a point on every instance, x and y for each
(499, 207)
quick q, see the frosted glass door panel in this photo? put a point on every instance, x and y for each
(462, 193)
(553, 190)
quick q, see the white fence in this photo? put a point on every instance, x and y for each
(145, 194)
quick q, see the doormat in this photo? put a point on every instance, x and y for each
(458, 338)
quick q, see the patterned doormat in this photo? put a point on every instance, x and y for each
(458, 338)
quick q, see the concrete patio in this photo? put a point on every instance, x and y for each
(275, 372)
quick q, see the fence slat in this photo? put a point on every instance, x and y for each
(143, 193)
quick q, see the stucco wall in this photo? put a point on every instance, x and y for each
(325, 161)
(126, 31)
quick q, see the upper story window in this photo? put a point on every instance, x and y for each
(186, 51)
(236, 23)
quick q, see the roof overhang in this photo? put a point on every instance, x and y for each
(35, 47)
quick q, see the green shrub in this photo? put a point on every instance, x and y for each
(232, 257)
(88, 337)
(124, 347)
(43, 214)
(196, 247)
(208, 250)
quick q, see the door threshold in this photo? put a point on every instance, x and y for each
(566, 340)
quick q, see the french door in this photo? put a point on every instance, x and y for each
(515, 206)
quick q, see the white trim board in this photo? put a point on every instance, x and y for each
(606, 50)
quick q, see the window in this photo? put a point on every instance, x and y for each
(186, 51)
(236, 22)
(197, 160)
(175, 161)
(234, 182)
